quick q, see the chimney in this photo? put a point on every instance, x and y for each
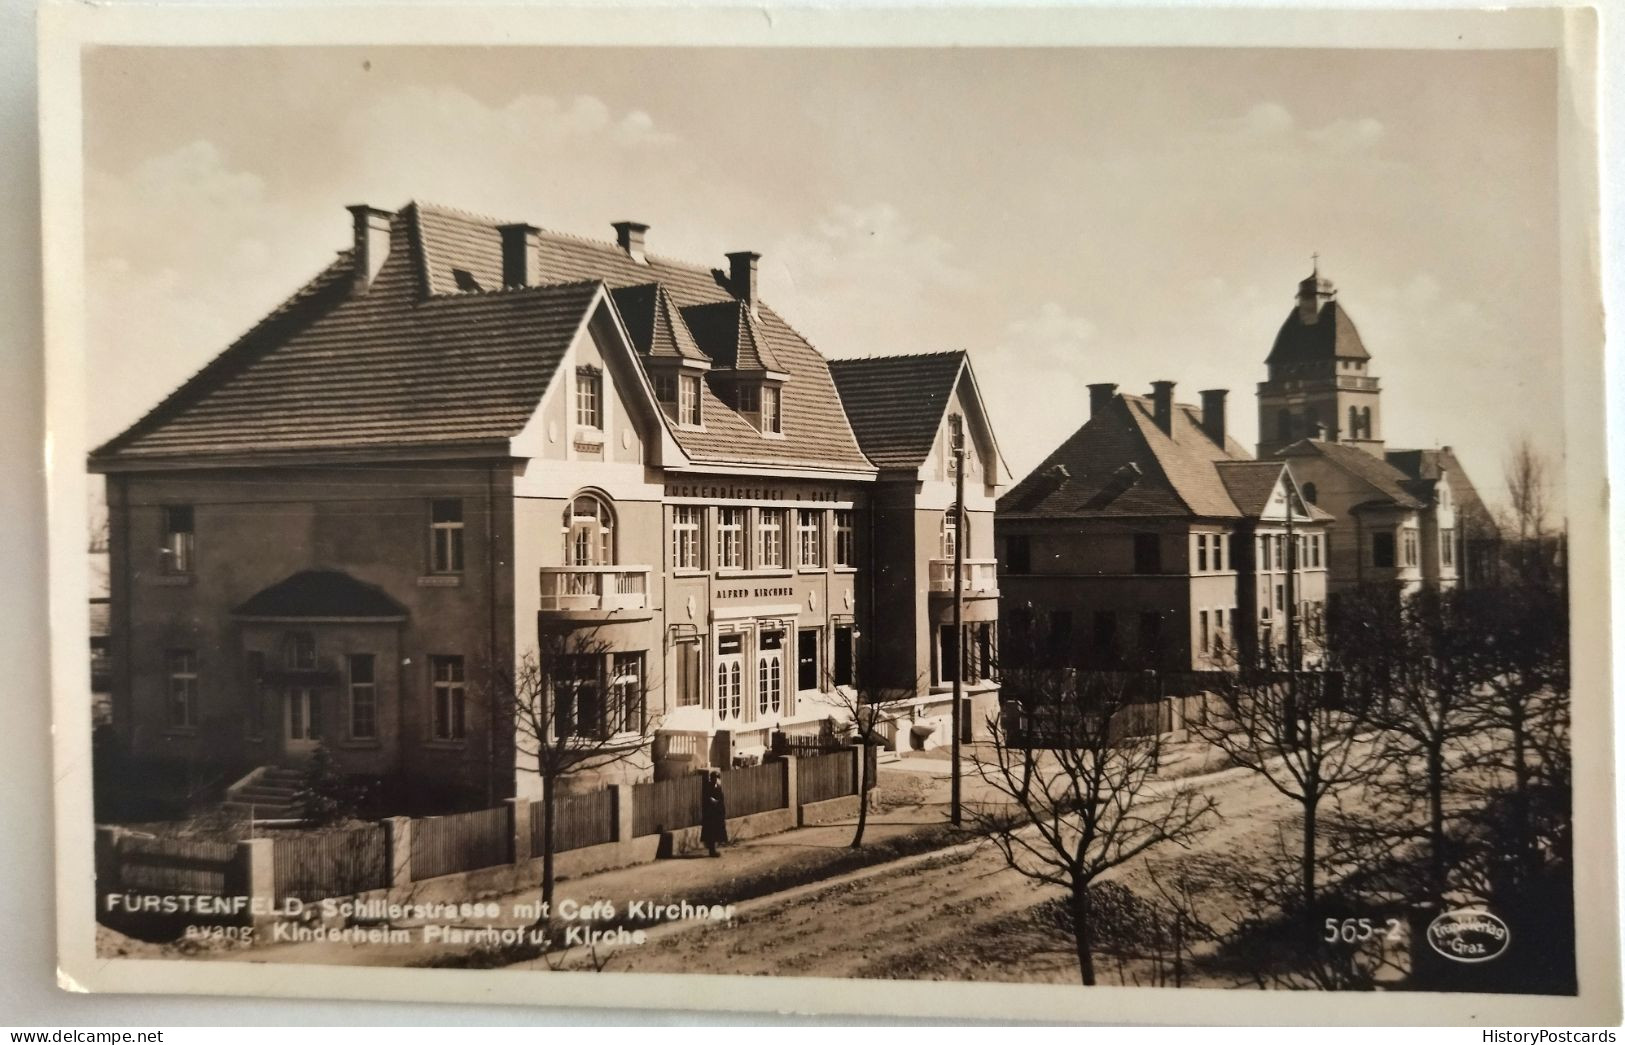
(371, 242)
(1213, 414)
(1162, 405)
(629, 235)
(742, 276)
(520, 244)
(1100, 397)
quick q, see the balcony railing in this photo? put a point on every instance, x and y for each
(601, 588)
(981, 576)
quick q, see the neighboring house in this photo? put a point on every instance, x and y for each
(1407, 518)
(463, 435)
(1149, 539)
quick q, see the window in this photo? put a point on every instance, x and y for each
(446, 535)
(688, 673)
(1264, 553)
(730, 539)
(1201, 631)
(589, 397)
(770, 539)
(770, 674)
(688, 399)
(772, 416)
(807, 659)
(1354, 422)
(845, 549)
(1280, 552)
(747, 398)
(843, 675)
(1018, 554)
(1201, 552)
(578, 697)
(1413, 546)
(179, 539)
(446, 674)
(1314, 550)
(589, 528)
(1147, 553)
(1218, 551)
(685, 537)
(809, 537)
(948, 657)
(665, 389)
(1218, 631)
(1280, 596)
(301, 651)
(182, 665)
(1310, 494)
(979, 651)
(730, 677)
(950, 534)
(1447, 547)
(363, 698)
(626, 693)
(254, 708)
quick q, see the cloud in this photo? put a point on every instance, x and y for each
(1348, 135)
(1052, 349)
(1273, 124)
(861, 278)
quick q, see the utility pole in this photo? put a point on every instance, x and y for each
(1292, 648)
(958, 426)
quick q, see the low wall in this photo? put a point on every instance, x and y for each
(771, 822)
(833, 809)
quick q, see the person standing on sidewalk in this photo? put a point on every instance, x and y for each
(713, 812)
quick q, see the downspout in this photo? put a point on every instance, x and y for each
(491, 613)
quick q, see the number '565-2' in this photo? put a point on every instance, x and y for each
(1357, 930)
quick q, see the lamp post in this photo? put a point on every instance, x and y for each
(957, 424)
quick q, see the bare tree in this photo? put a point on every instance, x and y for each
(863, 709)
(1535, 555)
(1293, 729)
(1079, 793)
(1407, 662)
(577, 707)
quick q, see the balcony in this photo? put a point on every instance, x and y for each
(981, 579)
(596, 592)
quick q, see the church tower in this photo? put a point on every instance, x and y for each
(1319, 386)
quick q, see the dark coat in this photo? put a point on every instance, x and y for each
(713, 814)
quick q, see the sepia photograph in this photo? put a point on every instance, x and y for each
(1023, 518)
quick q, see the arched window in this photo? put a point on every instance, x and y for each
(1354, 422)
(1365, 422)
(589, 531)
(1283, 426)
(951, 530)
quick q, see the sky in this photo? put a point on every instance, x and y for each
(1067, 216)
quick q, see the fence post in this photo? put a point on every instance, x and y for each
(256, 864)
(623, 811)
(792, 786)
(519, 813)
(398, 846)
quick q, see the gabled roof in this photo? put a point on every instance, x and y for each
(732, 337)
(1120, 464)
(1331, 336)
(655, 327)
(1433, 465)
(322, 594)
(816, 434)
(1251, 484)
(896, 403)
(1389, 483)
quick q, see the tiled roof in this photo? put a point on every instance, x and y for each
(378, 369)
(321, 593)
(1331, 336)
(1388, 482)
(435, 352)
(1251, 483)
(1431, 465)
(652, 320)
(896, 403)
(816, 434)
(1120, 464)
(731, 336)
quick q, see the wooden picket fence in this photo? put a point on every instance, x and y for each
(314, 865)
(584, 819)
(756, 789)
(666, 805)
(175, 866)
(461, 842)
(820, 778)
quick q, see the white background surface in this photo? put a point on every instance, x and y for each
(28, 995)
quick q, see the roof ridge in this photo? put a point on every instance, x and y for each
(899, 355)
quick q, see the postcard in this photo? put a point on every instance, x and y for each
(1044, 514)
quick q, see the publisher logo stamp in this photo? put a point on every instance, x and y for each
(1469, 936)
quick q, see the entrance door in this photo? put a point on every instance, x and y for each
(770, 674)
(730, 677)
(301, 720)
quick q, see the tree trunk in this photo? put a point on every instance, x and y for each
(1083, 932)
(548, 789)
(1523, 843)
(1436, 839)
(1307, 867)
(863, 793)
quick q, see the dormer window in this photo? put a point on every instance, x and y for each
(688, 399)
(589, 397)
(747, 399)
